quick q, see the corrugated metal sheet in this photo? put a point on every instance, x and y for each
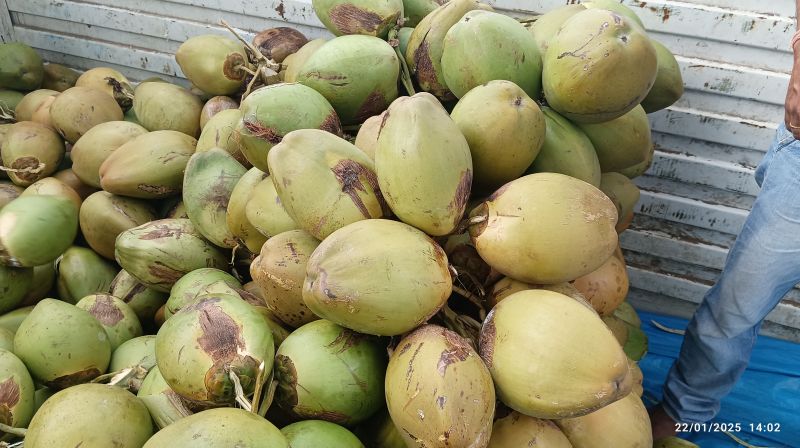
(733, 53)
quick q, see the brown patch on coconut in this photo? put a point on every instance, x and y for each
(105, 311)
(332, 124)
(486, 340)
(349, 174)
(217, 104)
(424, 69)
(221, 337)
(457, 350)
(350, 19)
(162, 231)
(9, 397)
(218, 194)
(159, 190)
(331, 416)
(459, 202)
(278, 43)
(374, 104)
(249, 297)
(28, 168)
(257, 130)
(137, 289)
(345, 340)
(166, 274)
(83, 376)
(232, 67)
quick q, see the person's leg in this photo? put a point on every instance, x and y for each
(762, 266)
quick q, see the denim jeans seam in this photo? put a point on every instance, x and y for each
(784, 143)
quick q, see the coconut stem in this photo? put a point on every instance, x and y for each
(7, 114)
(475, 282)
(38, 169)
(15, 431)
(256, 54)
(261, 61)
(468, 295)
(477, 219)
(464, 326)
(245, 69)
(266, 402)
(117, 86)
(466, 223)
(103, 378)
(270, 396)
(262, 371)
(405, 73)
(122, 375)
(240, 397)
(232, 262)
(477, 300)
(249, 86)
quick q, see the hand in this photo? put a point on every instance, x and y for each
(792, 114)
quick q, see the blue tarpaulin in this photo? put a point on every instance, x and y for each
(768, 393)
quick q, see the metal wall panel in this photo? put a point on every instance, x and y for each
(735, 60)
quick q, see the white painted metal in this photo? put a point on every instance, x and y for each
(6, 26)
(734, 56)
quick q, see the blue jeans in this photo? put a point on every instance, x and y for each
(762, 266)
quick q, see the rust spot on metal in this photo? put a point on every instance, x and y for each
(486, 340)
(457, 350)
(351, 175)
(221, 337)
(332, 124)
(350, 19)
(83, 376)
(463, 189)
(9, 397)
(374, 104)
(281, 10)
(105, 311)
(665, 13)
(257, 130)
